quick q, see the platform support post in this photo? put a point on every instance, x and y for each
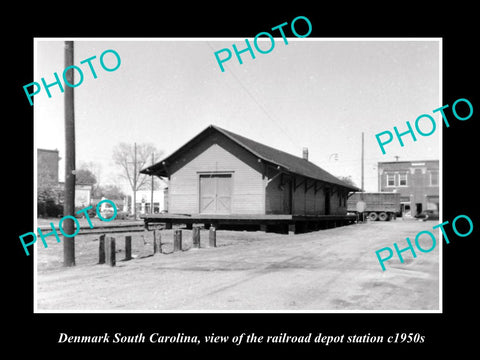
(177, 240)
(196, 237)
(157, 242)
(291, 229)
(212, 236)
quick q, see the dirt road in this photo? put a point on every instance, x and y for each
(333, 269)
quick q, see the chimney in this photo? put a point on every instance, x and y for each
(305, 153)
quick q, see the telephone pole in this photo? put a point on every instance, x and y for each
(362, 188)
(135, 181)
(151, 194)
(69, 198)
(363, 158)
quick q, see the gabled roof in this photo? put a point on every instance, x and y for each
(288, 162)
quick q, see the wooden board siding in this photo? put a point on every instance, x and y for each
(217, 156)
(306, 201)
(277, 200)
(254, 186)
(335, 208)
(310, 198)
(299, 196)
(319, 202)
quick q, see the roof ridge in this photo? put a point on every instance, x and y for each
(228, 133)
(232, 136)
(291, 163)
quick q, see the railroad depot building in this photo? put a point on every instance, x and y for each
(222, 173)
(416, 181)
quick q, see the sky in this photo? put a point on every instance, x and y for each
(315, 93)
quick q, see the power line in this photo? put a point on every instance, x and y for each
(275, 122)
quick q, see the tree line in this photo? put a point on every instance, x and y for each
(130, 159)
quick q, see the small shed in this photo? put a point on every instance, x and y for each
(222, 173)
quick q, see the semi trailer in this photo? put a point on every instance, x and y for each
(381, 206)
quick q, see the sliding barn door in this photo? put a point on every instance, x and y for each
(215, 193)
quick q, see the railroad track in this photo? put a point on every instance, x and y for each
(112, 229)
(102, 229)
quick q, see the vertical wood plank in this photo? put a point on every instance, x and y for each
(177, 240)
(110, 251)
(128, 247)
(101, 249)
(157, 242)
(212, 236)
(196, 237)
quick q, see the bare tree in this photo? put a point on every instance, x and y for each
(111, 192)
(132, 158)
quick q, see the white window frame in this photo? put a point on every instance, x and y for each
(387, 177)
(400, 179)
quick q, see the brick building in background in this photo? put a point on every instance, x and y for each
(47, 167)
(417, 181)
(47, 179)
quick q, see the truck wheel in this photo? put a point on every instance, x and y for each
(383, 216)
(373, 216)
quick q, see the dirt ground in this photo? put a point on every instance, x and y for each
(334, 269)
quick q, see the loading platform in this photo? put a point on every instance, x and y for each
(282, 223)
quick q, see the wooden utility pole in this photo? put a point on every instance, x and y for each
(151, 194)
(69, 198)
(362, 167)
(135, 181)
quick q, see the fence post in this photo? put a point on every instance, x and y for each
(157, 242)
(196, 237)
(101, 249)
(128, 247)
(177, 240)
(110, 251)
(212, 236)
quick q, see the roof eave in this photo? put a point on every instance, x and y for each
(151, 170)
